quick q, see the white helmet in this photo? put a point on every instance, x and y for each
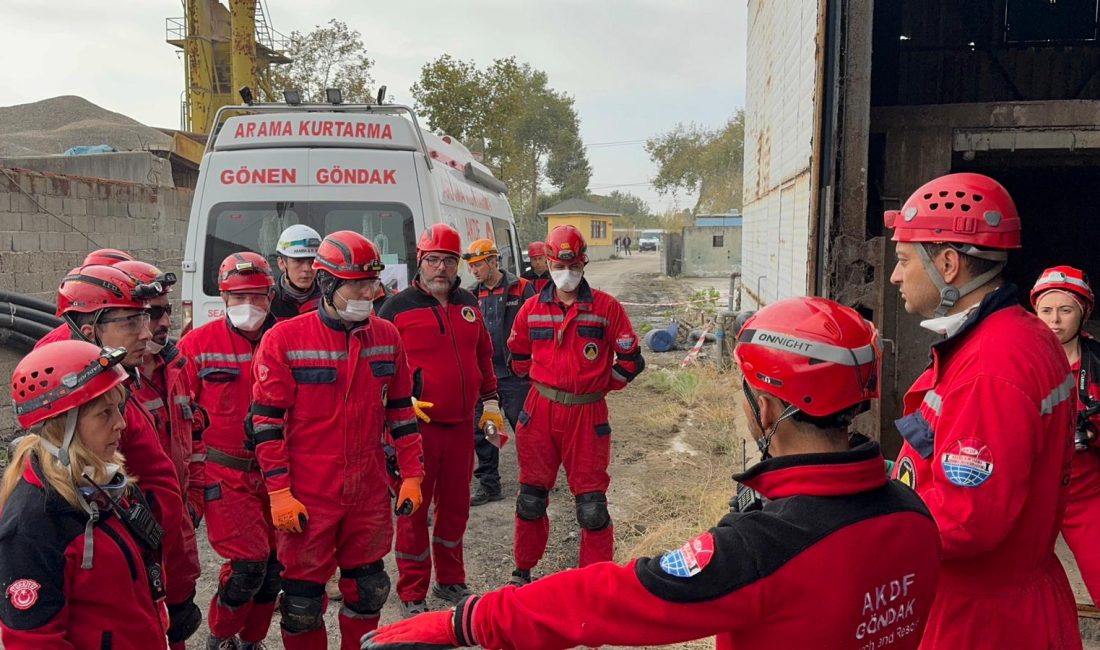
(298, 241)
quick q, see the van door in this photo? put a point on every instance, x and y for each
(508, 245)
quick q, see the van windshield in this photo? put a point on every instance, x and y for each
(256, 226)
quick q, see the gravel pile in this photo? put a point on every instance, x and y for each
(53, 125)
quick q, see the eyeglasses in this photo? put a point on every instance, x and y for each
(132, 324)
(436, 261)
(158, 312)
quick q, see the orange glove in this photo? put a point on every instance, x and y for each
(287, 513)
(409, 496)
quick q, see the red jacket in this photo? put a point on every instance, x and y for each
(220, 370)
(539, 281)
(988, 442)
(60, 333)
(284, 307)
(837, 558)
(322, 397)
(48, 601)
(449, 349)
(589, 347)
(167, 396)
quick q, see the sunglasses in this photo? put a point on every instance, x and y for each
(159, 311)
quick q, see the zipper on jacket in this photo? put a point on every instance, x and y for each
(113, 534)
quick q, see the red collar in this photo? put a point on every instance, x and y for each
(827, 474)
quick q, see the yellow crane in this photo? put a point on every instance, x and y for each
(224, 49)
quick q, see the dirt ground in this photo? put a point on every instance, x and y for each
(645, 434)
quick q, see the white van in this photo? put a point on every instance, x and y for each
(367, 168)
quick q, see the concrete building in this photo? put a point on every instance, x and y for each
(712, 247)
(595, 223)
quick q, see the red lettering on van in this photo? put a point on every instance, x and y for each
(268, 176)
(339, 176)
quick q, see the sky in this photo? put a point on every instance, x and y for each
(635, 68)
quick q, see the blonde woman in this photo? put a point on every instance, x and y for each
(79, 550)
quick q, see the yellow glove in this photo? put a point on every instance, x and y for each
(490, 412)
(418, 408)
(409, 496)
(287, 513)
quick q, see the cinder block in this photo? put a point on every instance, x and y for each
(5, 201)
(39, 222)
(83, 223)
(52, 242)
(10, 222)
(28, 283)
(82, 190)
(40, 185)
(97, 208)
(75, 241)
(5, 244)
(7, 280)
(23, 203)
(105, 225)
(54, 204)
(25, 242)
(71, 207)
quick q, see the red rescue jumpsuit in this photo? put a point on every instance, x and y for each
(48, 600)
(573, 355)
(238, 514)
(322, 399)
(147, 461)
(1081, 523)
(988, 438)
(796, 574)
(452, 354)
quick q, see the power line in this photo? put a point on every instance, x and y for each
(616, 143)
(609, 186)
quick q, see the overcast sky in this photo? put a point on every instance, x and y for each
(636, 68)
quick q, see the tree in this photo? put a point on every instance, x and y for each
(635, 212)
(694, 159)
(332, 56)
(527, 132)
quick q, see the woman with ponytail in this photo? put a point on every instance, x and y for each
(79, 549)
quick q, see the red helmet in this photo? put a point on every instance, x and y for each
(536, 249)
(146, 273)
(349, 256)
(815, 354)
(1068, 279)
(90, 288)
(107, 257)
(566, 244)
(959, 209)
(245, 271)
(439, 238)
(60, 376)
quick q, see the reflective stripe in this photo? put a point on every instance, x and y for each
(934, 401)
(545, 318)
(1060, 394)
(378, 350)
(592, 318)
(306, 355)
(153, 404)
(198, 458)
(182, 399)
(413, 558)
(400, 423)
(615, 374)
(1057, 277)
(218, 356)
(810, 349)
(444, 542)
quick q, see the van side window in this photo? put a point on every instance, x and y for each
(255, 226)
(506, 244)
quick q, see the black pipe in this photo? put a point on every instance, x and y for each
(27, 301)
(14, 340)
(24, 326)
(7, 309)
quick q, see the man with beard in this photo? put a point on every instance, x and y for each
(451, 356)
(296, 291)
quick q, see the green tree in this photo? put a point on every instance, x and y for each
(709, 162)
(528, 133)
(635, 211)
(331, 56)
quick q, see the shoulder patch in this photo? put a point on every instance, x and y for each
(689, 559)
(968, 462)
(906, 474)
(468, 314)
(23, 593)
(625, 342)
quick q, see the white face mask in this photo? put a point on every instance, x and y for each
(567, 280)
(152, 347)
(947, 325)
(356, 310)
(247, 317)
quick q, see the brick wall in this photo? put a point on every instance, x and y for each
(42, 218)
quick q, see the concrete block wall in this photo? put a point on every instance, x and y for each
(49, 222)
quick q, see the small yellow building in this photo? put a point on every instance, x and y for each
(595, 223)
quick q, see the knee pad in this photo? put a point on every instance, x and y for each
(273, 582)
(373, 586)
(183, 619)
(302, 606)
(245, 579)
(592, 511)
(531, 502)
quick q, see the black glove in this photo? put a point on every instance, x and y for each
(183, 620)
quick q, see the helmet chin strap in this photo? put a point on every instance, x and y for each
(950, 295)
(62, 453)
(765, 441)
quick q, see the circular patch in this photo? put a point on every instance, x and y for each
(689, 559)
(591, 351)
(906, 473)
(23, 594)
(262, 372)
(969, 463)
(468, 314)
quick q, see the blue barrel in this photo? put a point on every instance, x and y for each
(663, 339)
